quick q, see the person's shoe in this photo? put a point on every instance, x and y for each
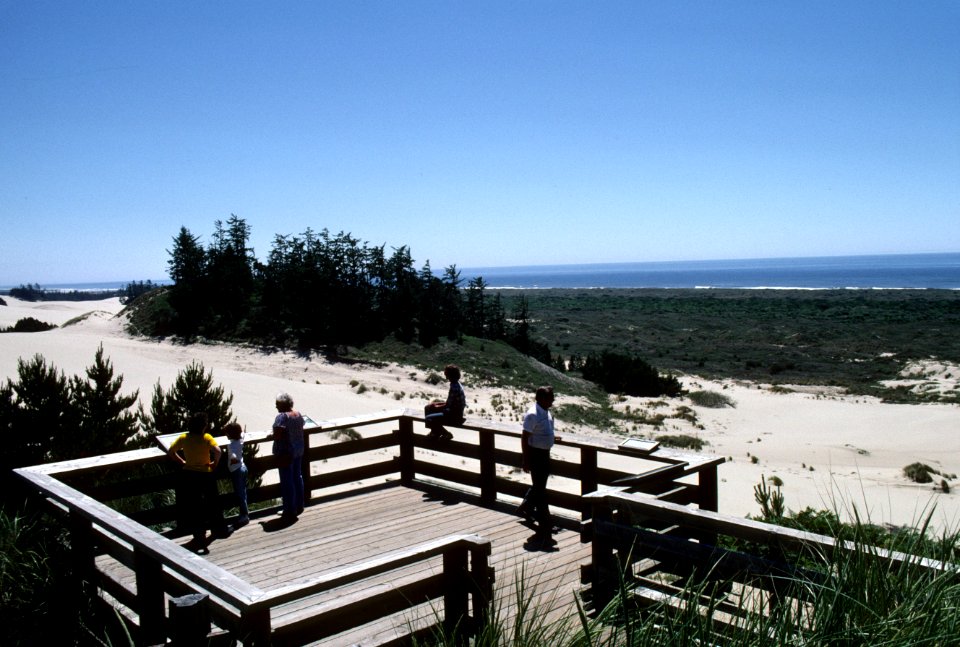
(241, 522)
(445, 435)
(223, 533)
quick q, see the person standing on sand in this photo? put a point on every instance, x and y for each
(535, 443)
(437, 413)
(197, 494)
(288, 447)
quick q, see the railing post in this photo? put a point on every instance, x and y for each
(189, 619)
(709, 496)
(82, 554)
(605, 568)
(305, 467)
(406, 450)
(481, 577)
(488, 467)
(255, 626)
(455, 593)
(149, 574)
(588, 479)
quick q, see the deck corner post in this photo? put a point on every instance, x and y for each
(455, 592)
(407, 473)
(488, 468)
(82, 552)
(255, 626)
(189, 619)
(150, 598)
(481, 578)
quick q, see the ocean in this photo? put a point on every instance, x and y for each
(894, 271)
(889, 272)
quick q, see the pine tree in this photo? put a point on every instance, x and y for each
(104, 420)
(192, 391)
(188, 270)
(42, 417)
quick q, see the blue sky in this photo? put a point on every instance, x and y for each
(479, 133)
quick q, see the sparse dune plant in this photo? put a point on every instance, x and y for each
(711, 399)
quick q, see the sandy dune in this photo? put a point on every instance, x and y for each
(830, 450)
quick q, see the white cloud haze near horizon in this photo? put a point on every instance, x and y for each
(479, 134)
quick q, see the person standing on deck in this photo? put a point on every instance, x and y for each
(288, 447)
(198, 454)
(535, 443)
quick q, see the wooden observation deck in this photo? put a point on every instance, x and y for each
(417, 533)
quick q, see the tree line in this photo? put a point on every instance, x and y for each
(34, 292)
(318, 289)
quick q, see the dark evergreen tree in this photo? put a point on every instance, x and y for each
(105, 422)
(476, 311)
(192, 391)
(618, 373)
(229, 276)
(450, 308)
(401, 308)
(429, 324)
(188, 295)
(43, 416)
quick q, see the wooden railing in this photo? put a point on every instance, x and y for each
(635, 536)
(164, 568)
(107, 502)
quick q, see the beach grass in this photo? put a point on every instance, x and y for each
(851, 598)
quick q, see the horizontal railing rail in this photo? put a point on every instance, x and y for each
(627, 529)
(661, 472)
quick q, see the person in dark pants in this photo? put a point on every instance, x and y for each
(197, 492)
(535, 443)
(436, 414)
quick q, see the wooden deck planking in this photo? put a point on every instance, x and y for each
(350, 529)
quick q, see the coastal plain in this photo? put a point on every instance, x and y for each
(832, 449)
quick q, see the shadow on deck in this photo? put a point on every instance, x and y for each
(361, 526)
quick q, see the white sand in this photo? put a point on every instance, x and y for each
(855, 446)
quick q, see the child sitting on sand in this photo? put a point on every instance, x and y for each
(238, 471)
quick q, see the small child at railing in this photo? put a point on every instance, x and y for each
(238, 470)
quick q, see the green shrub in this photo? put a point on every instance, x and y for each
(682, 441)
(618, 373)
(711, 399)
(919, 472)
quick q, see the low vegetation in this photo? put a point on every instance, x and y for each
(683, 441)
(28, 324)
(710, 399)
(923, 473)
(778, 336)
